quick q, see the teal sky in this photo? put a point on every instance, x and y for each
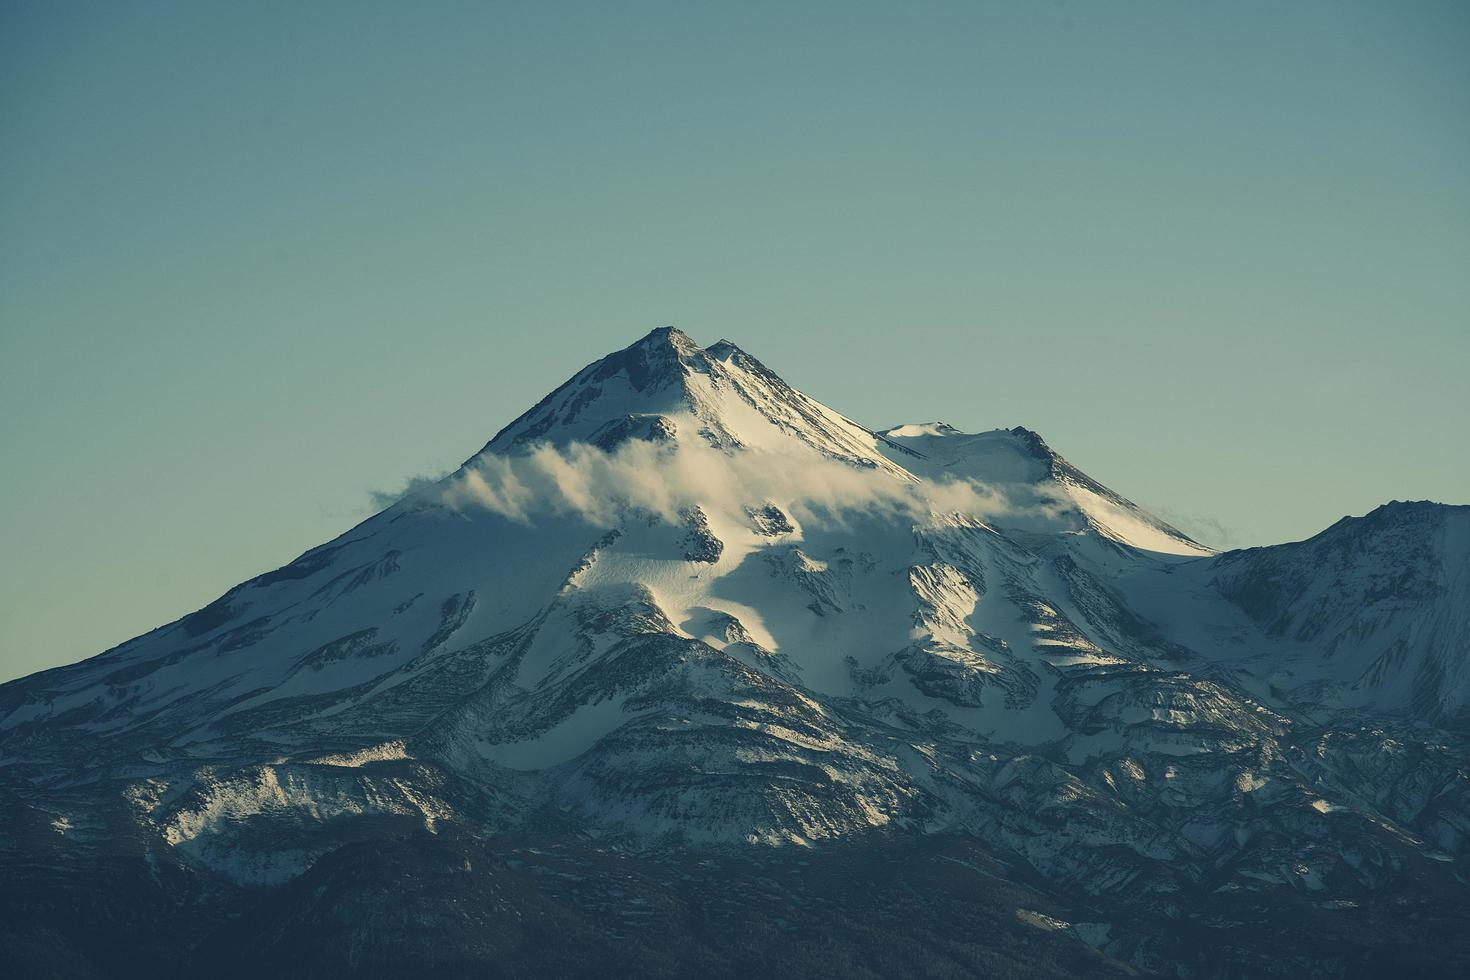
(258, 259)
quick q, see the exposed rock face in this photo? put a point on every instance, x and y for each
(770, 520)
(938, 696)
(700, 543)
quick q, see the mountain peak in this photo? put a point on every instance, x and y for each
(1033, 442)
(723, 350)
(728, 398)
(911, 429)
(1019, 462)
(660, 338)
(654, 361)
(646, 377)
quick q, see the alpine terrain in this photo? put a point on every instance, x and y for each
(686, 674)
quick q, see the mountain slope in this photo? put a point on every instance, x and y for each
(1369, 614)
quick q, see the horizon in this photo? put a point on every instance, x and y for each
(258, 270)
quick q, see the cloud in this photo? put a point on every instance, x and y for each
(383, 499)
(1205, 530)
(664, 480)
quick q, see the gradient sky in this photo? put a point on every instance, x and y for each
(259, 259)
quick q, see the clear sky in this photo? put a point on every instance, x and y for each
(260, 259)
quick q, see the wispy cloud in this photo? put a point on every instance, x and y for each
(664, 480)
(1205, 530)
(383, 499)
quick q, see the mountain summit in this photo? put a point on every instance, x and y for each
(682, 656)
(722, 393)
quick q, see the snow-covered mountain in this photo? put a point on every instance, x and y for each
(1371, 614)
(1020, 463)
(680, 622)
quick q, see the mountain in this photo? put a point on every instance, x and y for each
(1370, 614)
(1018, 462)
(686, 672)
